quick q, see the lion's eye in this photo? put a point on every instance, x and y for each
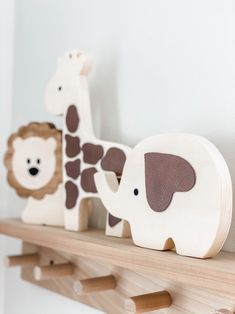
(28, 161)
(59, 88)
(38, 161)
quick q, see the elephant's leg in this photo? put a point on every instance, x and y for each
(151, 236)
(117, 227)
(161, 244)
(197, 244)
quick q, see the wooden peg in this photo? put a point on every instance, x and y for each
(53, 271)
(22, 260)
(96, 284)
(148, 302)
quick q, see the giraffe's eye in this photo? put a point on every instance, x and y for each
(59, 88)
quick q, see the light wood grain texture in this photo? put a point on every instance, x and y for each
(148, 302)
(217, 274)
(96, 284)
(22, 260)
(186, 299)
(53, 271)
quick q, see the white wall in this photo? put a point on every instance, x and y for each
(160, 66)
(6, 66)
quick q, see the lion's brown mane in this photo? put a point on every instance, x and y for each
(44, 130)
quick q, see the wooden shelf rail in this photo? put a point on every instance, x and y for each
(217, 274)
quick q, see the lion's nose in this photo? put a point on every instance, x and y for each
(33, 171)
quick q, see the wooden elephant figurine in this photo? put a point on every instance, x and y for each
(175, 191)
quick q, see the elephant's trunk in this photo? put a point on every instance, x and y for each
(107, 186)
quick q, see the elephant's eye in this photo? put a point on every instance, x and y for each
(136, 192)
(59, 88)
(28, 161)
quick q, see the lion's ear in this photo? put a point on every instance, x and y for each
(51, 142)
(17, 143)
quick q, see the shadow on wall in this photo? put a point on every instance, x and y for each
(222, 143)
(103, 89)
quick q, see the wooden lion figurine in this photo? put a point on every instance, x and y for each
(33, 162)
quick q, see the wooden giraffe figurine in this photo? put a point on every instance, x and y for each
(84, 154)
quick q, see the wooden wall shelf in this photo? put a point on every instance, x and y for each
(214, 276)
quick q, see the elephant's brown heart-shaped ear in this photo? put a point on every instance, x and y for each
(166, 174)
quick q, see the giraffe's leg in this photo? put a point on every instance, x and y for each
(76, 219)
(77, 208)
(116, 227)
(84, 214)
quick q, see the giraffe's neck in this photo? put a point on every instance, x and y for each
(78, 116)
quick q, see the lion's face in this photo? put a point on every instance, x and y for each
(33, 161)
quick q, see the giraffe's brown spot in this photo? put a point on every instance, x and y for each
(113, 221)
(71, 194)
(72, 119)
(72, 145)
(114, 160)
(166, 174)
(92, 153)
(87, 180)
(73, 168)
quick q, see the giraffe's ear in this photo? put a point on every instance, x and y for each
(86, 66)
